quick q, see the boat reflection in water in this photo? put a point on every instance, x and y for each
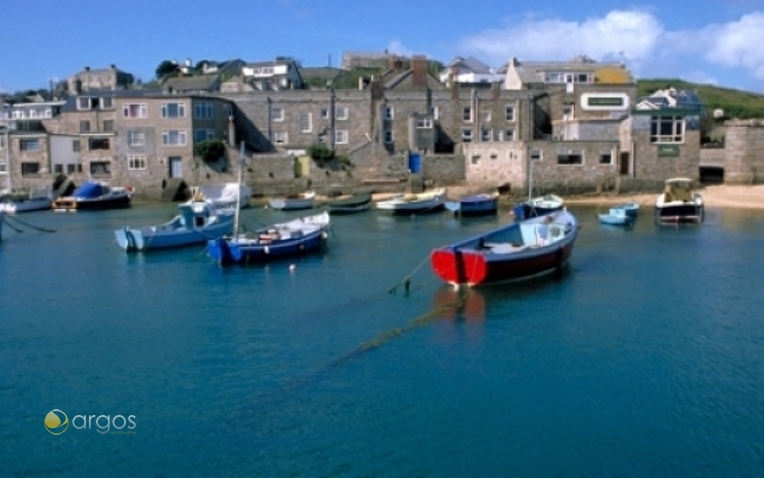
(465, 304)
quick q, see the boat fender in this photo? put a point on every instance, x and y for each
(267, 250)
(324, 236)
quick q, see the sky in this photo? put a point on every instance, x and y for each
(704, 41)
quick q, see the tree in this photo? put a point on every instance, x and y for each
(320, 152)
(167, 67)
(210, 150)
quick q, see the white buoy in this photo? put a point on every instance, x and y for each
(292, 267)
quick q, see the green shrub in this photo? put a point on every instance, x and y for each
(209, 150)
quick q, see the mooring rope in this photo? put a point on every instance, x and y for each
(406, 282)
(26, 224)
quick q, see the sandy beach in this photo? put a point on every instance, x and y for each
(716, 196)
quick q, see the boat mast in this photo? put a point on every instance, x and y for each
(238, 193)
(530, 179)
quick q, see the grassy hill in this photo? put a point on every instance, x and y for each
(735, 103)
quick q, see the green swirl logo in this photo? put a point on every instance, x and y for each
(56, 422)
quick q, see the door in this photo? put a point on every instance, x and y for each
(623, 163)
(176, 166)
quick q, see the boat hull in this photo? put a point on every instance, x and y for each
(72, 204)
(229, 251)
(298, 202)
(355, 203)
(27, 205)
(145, 239)
(613, 220)
(478, 261)
(680, 213)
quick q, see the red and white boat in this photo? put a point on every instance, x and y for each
(518, 251)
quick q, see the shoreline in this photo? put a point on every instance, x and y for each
(714, 196)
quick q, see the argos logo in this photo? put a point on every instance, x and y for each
(57, 422)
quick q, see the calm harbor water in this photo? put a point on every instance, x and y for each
(644, 358)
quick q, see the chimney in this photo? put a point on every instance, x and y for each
(87, 68)
(113, 66)
(396, 63)
(419, 71)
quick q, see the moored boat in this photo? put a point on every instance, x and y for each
(354, 203)
(616, 216)
(93, 195)
(538, 206)
(514, 252)
(293, 202)
(631, 208)
(198, 222)
(296, 237)
(33, 201)
(428, 201)
(224, 195)
(475, 205)
(679, 202)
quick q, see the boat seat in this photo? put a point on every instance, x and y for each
(505, 247)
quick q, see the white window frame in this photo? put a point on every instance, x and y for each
(467, 135)
(106, 103)
(85, 103)
(341, 136)
(467, 115)
(536, 155)
(277, 113)
(676, 124)
(389, 113)
(341, 113)
(280, 137)
(424, 123)
(181, 109)
(169, 134)
(136, 138)
(509, 135)
(141, 110)
(32, 144)
(486, 134)
(509, 113)
(486, 116)
(305, 117)
(136, 162)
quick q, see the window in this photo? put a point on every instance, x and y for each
(84, 103)
(305, 122)
(28, 169)
(108, 126)
(424, 123)
(203, 109)
(76, 146)
(434, 112)
(280, 137)
(72, 168)
(567, 112)
(341, 112)
(174, 137)
(324, 113)
(135, 138)
(29, 144)
(509, 135)
(493, 154)
(497, 135)
(84, 126)
(475, 159)
(666, 129)
(98, 143)
(467, 114)
(2, 142)
(486, 117)
(136, 162)
(536, 155)
(278, 113)
(203, 134)
(509, 113)
(569, 158)
(467, 135)
(173, 110)
(389, 138)
(100, 168)
(58, 168)
(341, 136)
(485, 134)
(135, 110)
(389, 113)
(107, 103)
(606, 157)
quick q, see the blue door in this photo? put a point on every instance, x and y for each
(415, 163)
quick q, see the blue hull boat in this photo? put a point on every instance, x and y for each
(617, 216)
(198, 222)
(539, 206)
(476, 205)
(296, 237)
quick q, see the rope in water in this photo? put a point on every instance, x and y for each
(26, 224)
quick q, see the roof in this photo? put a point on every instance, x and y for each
(277, 61)
(192, 83)
(605, 72)
(471, 64)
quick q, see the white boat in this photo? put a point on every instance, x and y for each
(304, 200)
(198, 222)
(433, 200)
(34, 201)
(679, 202)
(225, 195)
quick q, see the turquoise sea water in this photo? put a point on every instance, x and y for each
(644, 358)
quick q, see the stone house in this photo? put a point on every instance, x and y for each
(110, 78)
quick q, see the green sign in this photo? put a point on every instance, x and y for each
(668, 151)
(605, 101)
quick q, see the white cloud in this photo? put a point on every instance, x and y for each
(398, 48)
(632, 34)
(738, 44)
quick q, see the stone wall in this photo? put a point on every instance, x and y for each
(744, 152)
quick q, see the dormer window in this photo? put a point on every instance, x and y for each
(85, 103)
